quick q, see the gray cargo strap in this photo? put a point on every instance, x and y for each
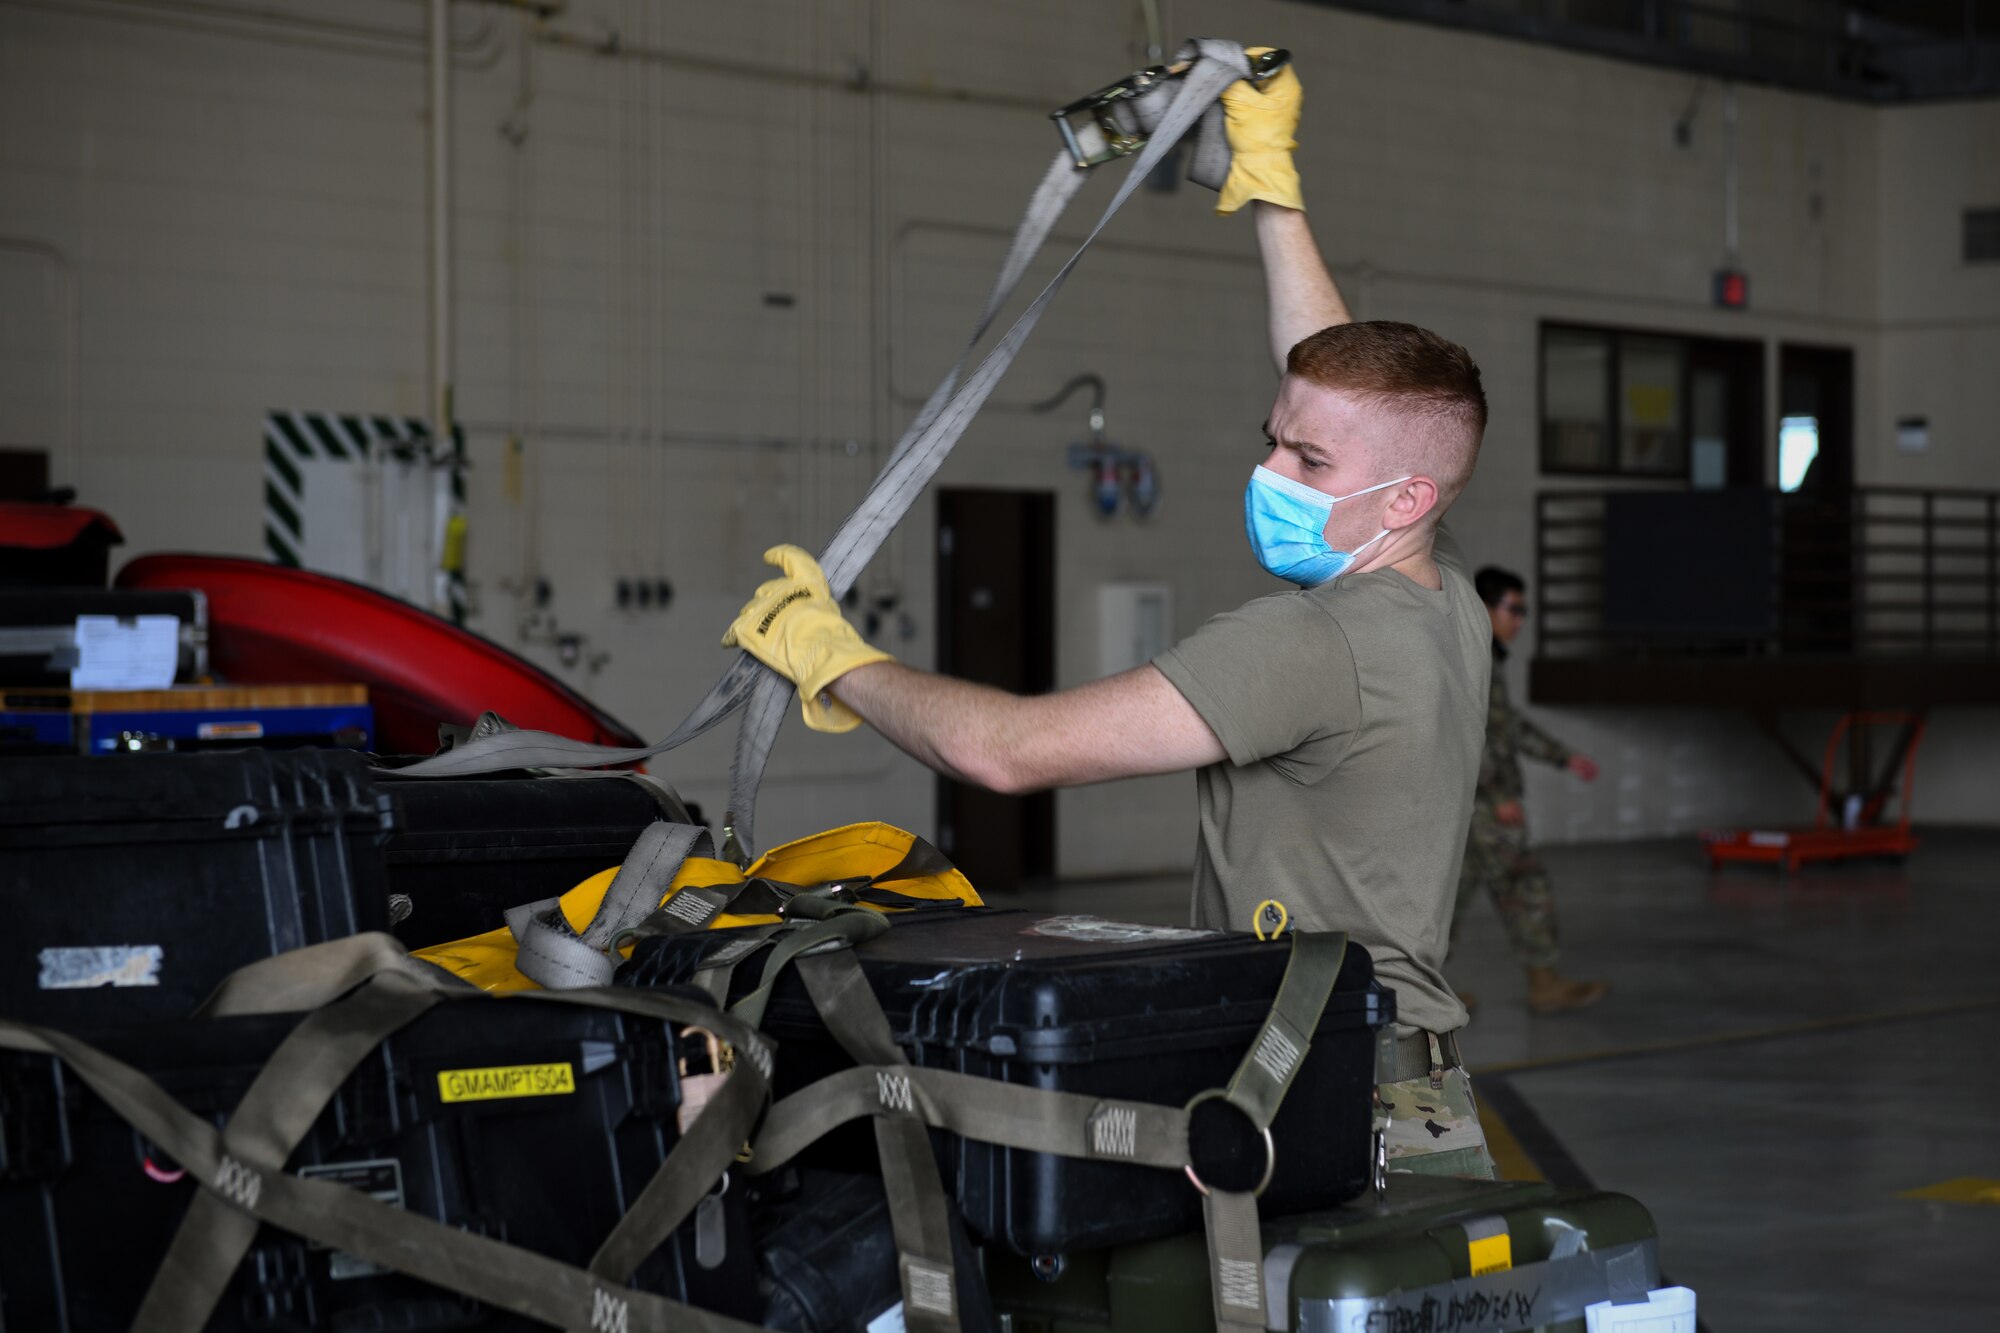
(530, 749)
(1235, 1240)
(277, 1111)
(919, 1210)
(344, 1218)
(1068, 1124)
(321, 974)
(489, 723)
(243, 1165)
(916, 458)
(707, 1149)
(717, 971)
(553, 955)
(1033, 1119)
(841, 926)
(1266, 1074)
(1221, 64)
(694, 908)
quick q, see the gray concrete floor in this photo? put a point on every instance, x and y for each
(1778, 1061)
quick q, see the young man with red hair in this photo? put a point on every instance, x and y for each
(1335, 730)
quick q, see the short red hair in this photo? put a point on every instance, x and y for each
(1431, 382)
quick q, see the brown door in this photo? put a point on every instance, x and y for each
(996, 625)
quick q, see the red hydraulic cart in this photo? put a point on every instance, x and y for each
(1851, 831)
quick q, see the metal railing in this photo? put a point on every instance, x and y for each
(1881, 51)
(1881, 572)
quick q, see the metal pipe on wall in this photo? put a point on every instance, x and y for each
(613, 43)
(444, 443)
(263, 24)
(440, 219)
(1729, 177)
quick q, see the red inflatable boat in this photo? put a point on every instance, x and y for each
(270, 625)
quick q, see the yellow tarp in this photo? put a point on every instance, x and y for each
(853, 852)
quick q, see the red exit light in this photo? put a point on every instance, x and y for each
(1732, 288)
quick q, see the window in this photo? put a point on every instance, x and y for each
(1618, 402)
(1798, 447)
(1576, 404)
(1709, 454)
(1982, 235)
(1652, 427)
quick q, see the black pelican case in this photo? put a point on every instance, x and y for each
(1102, 1008)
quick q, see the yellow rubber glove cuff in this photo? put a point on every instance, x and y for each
(794, 626)
(1263, 123)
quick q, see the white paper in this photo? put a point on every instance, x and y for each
(889, 1321)
(141, 653)
(101, 965)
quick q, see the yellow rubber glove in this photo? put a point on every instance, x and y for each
(794, 626)
(1263, 122)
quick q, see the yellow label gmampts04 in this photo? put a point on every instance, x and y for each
(485, 1085)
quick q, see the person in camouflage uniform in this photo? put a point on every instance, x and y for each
(1497, 856)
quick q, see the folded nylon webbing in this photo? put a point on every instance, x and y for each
(919, 1209)
(344, 1218)
(248, 1183)
(550, 954)
(276, 1112)
(242, 1167)
(916, 458)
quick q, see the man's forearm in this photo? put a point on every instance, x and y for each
(1303, 297)
(1123, 726)
(952, 726)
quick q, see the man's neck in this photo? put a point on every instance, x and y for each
(1409, 554)
(1421, 570)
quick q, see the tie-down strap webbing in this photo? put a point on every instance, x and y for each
(695, 907)
(552, 955)
(635, 904)
(276, 1112)
(919, 1209)
(1071, 1125)
(346, 1219)
(1013, 1115)
(914, 461)
(1066, 1124)
(1235, 1240)
(241, 1167)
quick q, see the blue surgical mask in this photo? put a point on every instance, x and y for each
(1286, 521)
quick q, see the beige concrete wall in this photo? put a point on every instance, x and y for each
(1939, 358)
(238, 208)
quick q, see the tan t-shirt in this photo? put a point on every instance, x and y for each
(1353, 714)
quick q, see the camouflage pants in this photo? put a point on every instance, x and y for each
(1434, 1131)
(1497, 857)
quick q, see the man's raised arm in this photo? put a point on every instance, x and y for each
(1263, 125)
(1302, 294)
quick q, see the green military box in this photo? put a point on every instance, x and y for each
(1431, 1254)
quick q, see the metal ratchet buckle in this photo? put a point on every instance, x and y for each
(1103, 126)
